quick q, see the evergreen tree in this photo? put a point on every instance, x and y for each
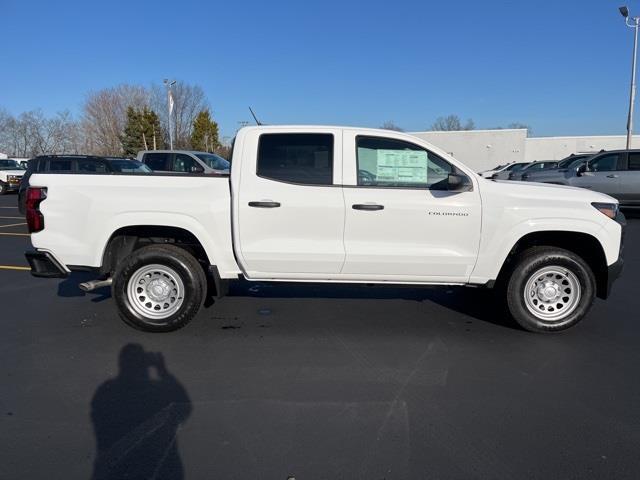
(204, 136)
(142, 131)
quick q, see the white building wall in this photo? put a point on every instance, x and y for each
(484, 149)
(480, 149)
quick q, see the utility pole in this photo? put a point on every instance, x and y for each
(634, 23)
(170, 84)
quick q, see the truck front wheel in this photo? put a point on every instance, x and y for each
(550, 289)
(159, 288)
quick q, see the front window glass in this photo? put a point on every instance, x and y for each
(606, 163)
(213, 161)
(184, 163)
(387, 162)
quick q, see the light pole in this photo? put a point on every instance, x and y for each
(634, 23)
(170, 84)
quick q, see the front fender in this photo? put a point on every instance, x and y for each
(494, 248)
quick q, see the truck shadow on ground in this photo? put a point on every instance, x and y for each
(481, 304)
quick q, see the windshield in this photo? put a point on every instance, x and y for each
(10, 165)
(517, 166)
(128, 166)
(567, 162)
(213, 161)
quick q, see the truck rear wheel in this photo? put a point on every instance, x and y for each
(550, 289)
(159, 288)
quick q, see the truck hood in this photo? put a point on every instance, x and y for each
(548, 191)
(12, 172)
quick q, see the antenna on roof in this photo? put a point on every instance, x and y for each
(254, 117)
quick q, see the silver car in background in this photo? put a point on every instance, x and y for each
(557, 175)
(533, 167)
(184, 161)
(504, 173)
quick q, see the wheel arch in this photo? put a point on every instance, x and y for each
(585, 245)
(127, 239)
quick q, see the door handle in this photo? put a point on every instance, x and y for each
(264, 204)
(367, 207)
(613, 175)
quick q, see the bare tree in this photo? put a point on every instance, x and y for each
(452, 123)
(105, 115)
(189, 100)
(32, 133)
(390, 125)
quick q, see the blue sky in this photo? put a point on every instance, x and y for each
(562, 67)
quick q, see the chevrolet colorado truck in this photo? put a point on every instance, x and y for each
(10, 174)
(326, 204)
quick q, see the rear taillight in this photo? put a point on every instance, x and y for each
(35, 219)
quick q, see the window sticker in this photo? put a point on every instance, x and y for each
(402, 166)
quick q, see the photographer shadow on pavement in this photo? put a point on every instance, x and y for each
(136, 419)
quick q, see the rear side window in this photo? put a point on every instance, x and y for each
(91, 166)
(634, 161)
(305, 158)
(156, 161)
(60, 165)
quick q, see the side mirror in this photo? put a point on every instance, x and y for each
(457, 183)
(197, 169)
(582, 169)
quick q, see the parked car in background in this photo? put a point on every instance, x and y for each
(76, 164)
(533, 167)
(504, 174)
(616, 173)
(556, 175)
(10, 175)
(183, 161)
(489, 173)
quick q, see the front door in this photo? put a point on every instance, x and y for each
(603, 175)
(290, 207)
(402, 224)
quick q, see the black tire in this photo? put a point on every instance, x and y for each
(526, 266)
(183, 264)
(3, 188)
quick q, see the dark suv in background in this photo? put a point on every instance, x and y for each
(80, 164)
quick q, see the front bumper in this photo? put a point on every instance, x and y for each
(615, 269)
(44, 265)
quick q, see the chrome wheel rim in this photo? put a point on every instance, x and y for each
(155, 291)
(552, 293)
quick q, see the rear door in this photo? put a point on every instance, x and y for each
(603, 175)
(630, 181)
(290, 205)
(402, 224)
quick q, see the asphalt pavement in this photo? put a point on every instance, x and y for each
(313, 382)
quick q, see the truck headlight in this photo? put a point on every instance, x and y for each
(608, 209)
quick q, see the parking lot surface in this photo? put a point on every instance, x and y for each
(314, 382)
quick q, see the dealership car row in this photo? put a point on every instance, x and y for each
(616, 172)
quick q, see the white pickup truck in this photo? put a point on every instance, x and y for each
(326, 204)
